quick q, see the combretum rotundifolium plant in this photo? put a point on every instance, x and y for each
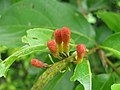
(59, 49)
(59, 44)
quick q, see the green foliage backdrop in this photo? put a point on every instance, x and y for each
(27, 25)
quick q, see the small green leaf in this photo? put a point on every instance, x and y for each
(115, 87)
(112, 44)
(113, 23)
(82, 73)
(38, 36)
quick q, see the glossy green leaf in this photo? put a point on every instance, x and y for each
(115, 87)
(113, 23)
(112, 44)
(102, 82)
(28, 14)
(82, 73)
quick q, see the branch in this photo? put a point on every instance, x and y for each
(50, 73)
(103, 58)
(106, 60)
(114, 68)
(93, 50)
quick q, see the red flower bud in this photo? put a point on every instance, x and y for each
(81, 49)
(65, 34)
(57, 35)
(37, 63)
(52, 46)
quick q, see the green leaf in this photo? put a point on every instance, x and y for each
(115, 87)
(82, 73)
(112, 44)
(38, 36)
(113, 23)
(28, 14)
(102, 81)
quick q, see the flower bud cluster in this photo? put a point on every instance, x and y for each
(61, 45)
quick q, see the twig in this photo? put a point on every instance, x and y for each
(93, 50)
(114, 68)
(106, 60)
(82, 9)
(103, 58)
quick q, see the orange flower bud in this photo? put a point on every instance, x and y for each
(57, 35)
(65, 34)
(52, 46)
(38, 64)
(58, 39)
(81, 49)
